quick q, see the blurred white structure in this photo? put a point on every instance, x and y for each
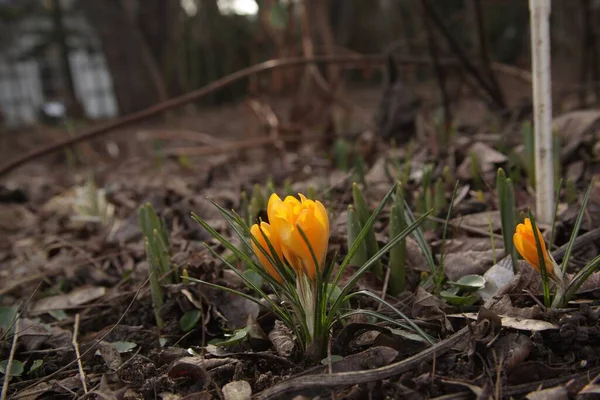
(542, 109)
(28, 80)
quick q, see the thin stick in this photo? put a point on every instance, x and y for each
(441, 80)
(386, 282)
(108, 332)
(464, 59)
(542, 106)
(483, 49)
(76, 346)
(11, 357)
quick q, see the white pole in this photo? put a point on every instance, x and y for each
(542, 108)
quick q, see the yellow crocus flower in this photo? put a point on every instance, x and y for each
(525, 243)
(311, 217)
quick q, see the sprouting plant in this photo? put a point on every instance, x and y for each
(505, 193)
(341, 154)
(476, 173)
(291, 258)
(438, 273)
(257, 201)
(570, 191)
(158, 253)
(398, 254)
(528, 141)
(287, 188)
(360, 169)
(354, 227)
(431, 195)
(362, 214)
(530, 244)
(90, 203)
(158, 152)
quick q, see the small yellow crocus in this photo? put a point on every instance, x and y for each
(275, 243)
(285, 217)
(525, 243)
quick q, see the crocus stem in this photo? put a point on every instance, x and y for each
(307, 300)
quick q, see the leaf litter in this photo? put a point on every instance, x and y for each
(96, 267)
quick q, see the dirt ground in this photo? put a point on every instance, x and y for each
(81, 291)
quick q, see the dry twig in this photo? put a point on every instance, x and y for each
(93, 347)
(77, 354)
(11, 357)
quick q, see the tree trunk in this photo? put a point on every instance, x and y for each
(131, 77)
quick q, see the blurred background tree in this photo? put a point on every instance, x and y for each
(157, 49)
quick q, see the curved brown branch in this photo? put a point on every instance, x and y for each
(357, 60)
(286, 388)
(188, 98)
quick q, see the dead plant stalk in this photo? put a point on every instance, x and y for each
(11, 357)
(542, 108)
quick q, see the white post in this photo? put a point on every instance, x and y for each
(542, 108)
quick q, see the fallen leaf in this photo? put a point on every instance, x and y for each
(204, 395)
(237, 390)
(487, 158)
(480, 221)
(555, 393)
(576, 128)
(110, 355)
(234, 309)
(497, 277)
(282, 339)
(523, 324)
(457, 265)
(77, 297)
(592, 219)
(470, 244)
(513, 348)
(575, 171)
(430, 308)
(533, 371)
(35, 334)
(197, 367)
(169, 396)
(16, 217)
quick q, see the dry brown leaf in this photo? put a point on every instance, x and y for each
(110, 355)
(471, 243)
(237, 390)
(513, 348)
(504, 307)
(591, 284)
(197, 367)
(429, 307)
(457, 265)
(34, 334)
(487, 157)
(234, 309)
(592, 216)
(16, 217)
(283, 339)
(79, 296)
(555, 393)
(576, 128)
(480, 221)
(575, 170)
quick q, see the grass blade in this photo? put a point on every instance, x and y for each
(578, 222)
(361, 236)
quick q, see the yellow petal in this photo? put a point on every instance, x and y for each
(525, 244)
(311, 216)
(275, 243)
(321, 215)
